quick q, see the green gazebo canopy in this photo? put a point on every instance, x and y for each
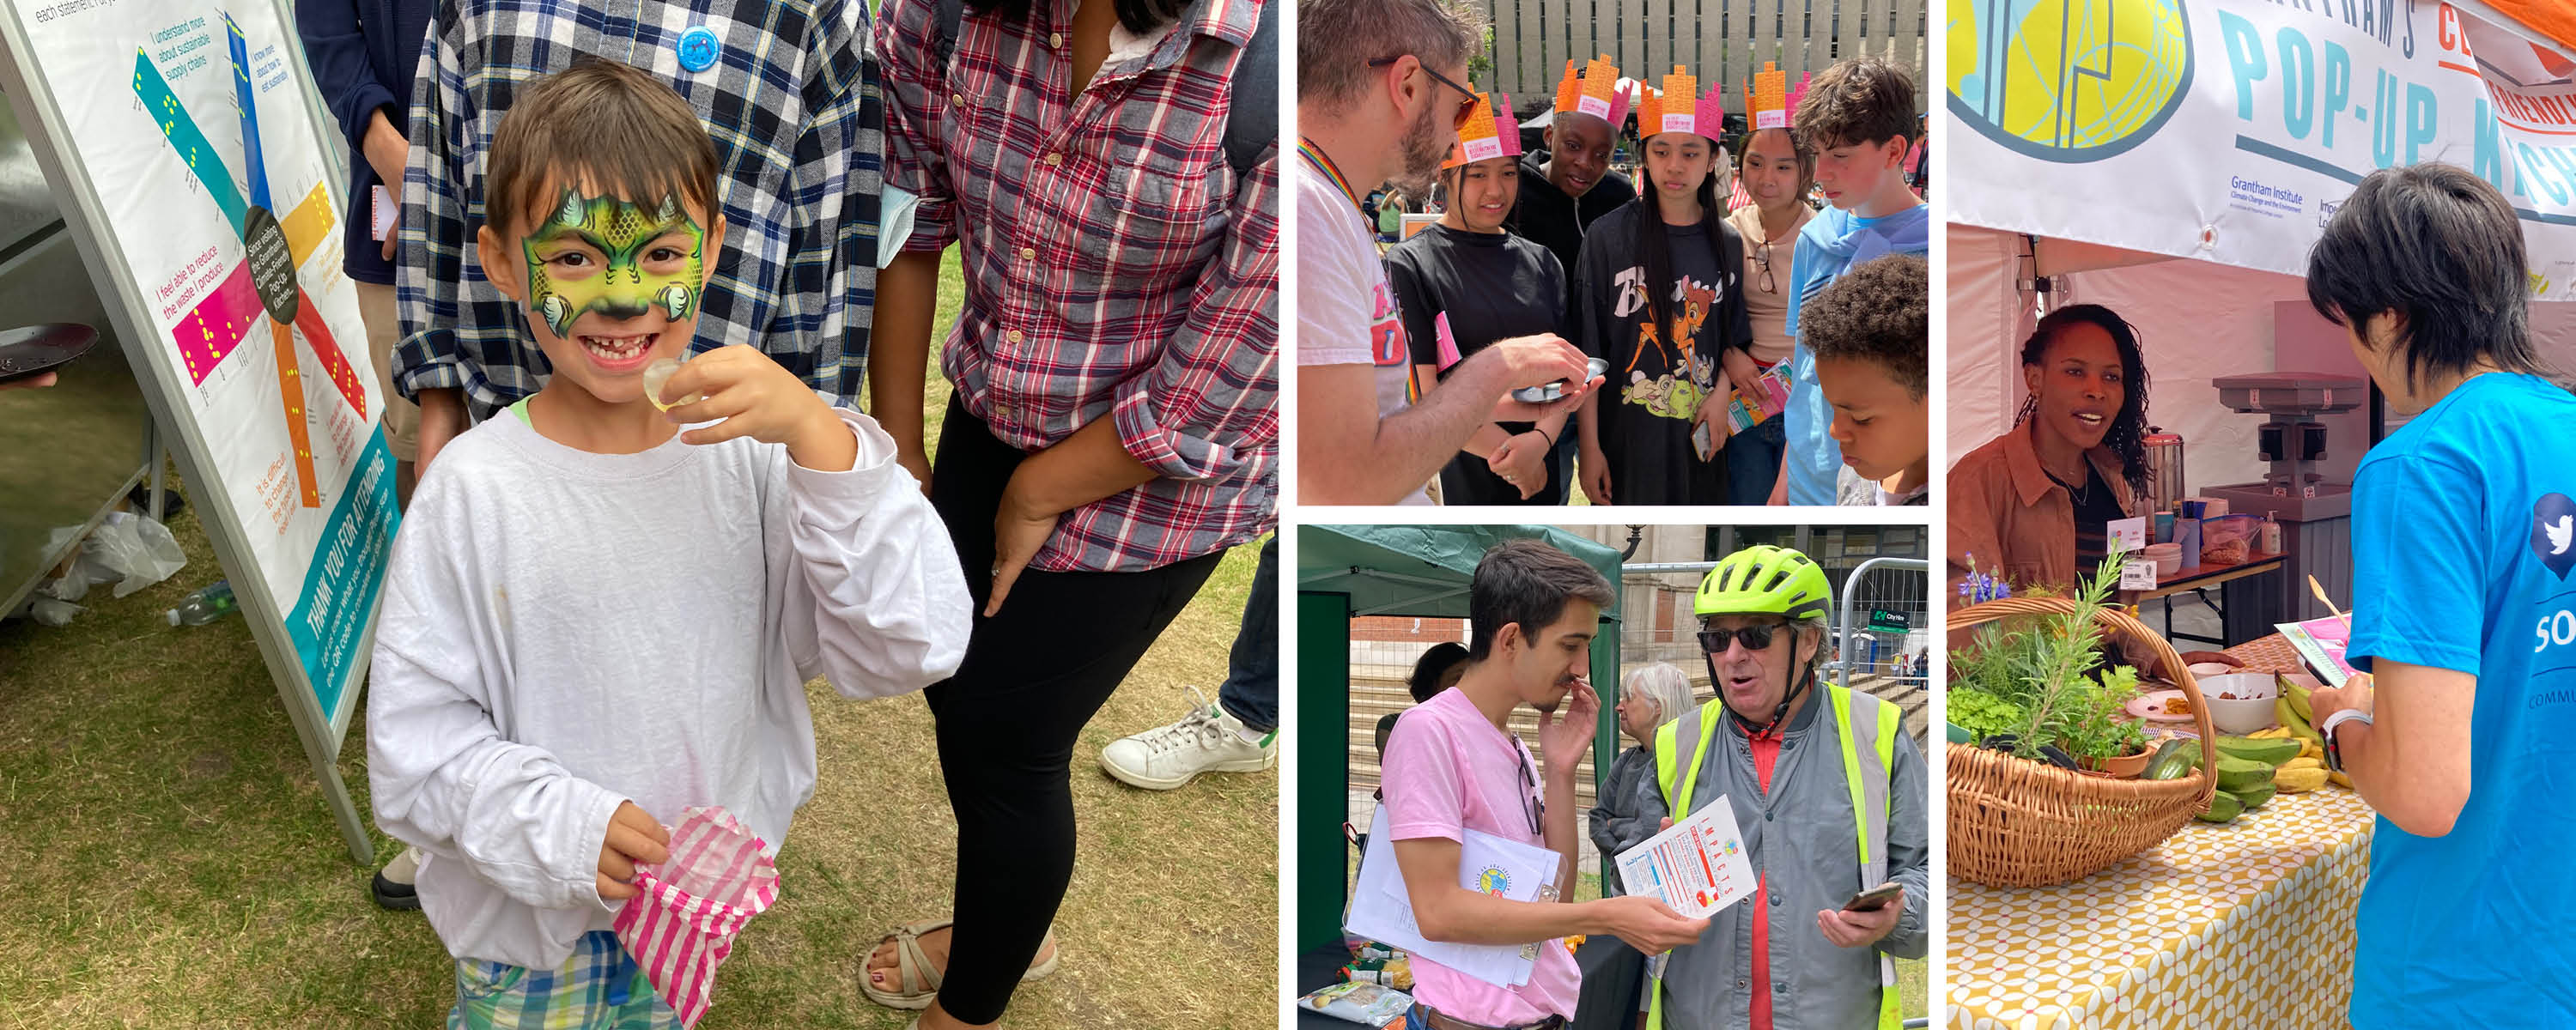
(1344, 572)
(1420, 570)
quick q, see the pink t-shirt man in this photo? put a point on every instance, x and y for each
(1447, 768)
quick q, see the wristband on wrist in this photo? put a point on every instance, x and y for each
(2334, 750)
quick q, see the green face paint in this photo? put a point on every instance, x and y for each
(622, 234)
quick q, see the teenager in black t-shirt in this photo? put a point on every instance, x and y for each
(1659, 295)
(1484, 284)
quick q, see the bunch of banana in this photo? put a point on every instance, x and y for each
(2297, 720)
(2291, 710)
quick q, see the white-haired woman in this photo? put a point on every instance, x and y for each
(1613, 972)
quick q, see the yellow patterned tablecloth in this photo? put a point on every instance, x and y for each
(2247, 925)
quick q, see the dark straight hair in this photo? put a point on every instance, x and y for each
(2127, 436)
(1657, 240)
(1137, 15)
(1434, 662)
(1527, 582)
(2440, 247)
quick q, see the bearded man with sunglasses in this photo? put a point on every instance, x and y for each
(1368, 116)
(1453, 764)
(1830, 794)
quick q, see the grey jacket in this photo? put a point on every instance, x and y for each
(1620, 822)
(1799, 838)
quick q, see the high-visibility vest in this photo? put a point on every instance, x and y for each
(1865, 771)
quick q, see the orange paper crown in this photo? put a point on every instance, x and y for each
(1675, 108)
(1490, 132)
(1592, 92)
(1679, 107)
(1770, 106)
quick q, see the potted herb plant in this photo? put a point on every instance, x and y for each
(2038, 689)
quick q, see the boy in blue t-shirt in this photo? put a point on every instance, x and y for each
(2463, 537)
(1858, 116)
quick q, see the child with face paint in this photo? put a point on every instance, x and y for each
(595, 620)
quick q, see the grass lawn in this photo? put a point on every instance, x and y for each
(166, 858)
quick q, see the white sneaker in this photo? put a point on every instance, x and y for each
(1206, 740)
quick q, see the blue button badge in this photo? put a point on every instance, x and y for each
(698, 48)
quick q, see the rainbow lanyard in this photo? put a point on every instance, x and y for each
(1315, 156)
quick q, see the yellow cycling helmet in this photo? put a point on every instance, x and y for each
(1765, 580)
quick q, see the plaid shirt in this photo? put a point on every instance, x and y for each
(1115, 267)
(792, 108)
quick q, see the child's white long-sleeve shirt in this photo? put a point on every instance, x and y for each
(563, 631)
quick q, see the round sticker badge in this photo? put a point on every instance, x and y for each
(698, 48)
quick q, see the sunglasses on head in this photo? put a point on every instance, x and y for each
(1466, 99)
(1755, 637)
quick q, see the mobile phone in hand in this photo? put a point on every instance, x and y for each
(1873, 899)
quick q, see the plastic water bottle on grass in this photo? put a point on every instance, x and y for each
(212, 602)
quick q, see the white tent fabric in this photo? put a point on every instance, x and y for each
(2196, 320)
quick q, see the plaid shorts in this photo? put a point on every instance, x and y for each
(599, 988)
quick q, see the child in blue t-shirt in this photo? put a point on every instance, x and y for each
(2463, 536)
(1858, 117)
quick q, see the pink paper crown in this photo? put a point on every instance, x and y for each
(1619, 105)
(1712, 112)
(1797, 95)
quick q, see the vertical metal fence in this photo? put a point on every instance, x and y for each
(1886, 633)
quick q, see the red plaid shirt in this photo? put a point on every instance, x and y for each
(1115, 263)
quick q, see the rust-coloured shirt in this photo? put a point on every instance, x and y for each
(2007, 512)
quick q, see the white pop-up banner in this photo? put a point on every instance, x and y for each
(2229, 130)
(197, 175)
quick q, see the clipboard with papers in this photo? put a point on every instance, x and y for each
(1381, 909)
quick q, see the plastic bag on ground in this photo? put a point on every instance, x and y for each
(137, 550)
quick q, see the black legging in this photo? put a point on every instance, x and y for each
(1033, 675)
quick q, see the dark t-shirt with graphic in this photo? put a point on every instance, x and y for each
(1544, 215)
(1493, 286)
(1658, 375)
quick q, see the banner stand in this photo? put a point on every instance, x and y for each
(166, 386)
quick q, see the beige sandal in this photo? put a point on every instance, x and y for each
(917, 981)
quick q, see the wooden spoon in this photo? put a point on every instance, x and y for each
(2319, 589)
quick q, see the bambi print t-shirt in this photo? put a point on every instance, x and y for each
(1659, 374)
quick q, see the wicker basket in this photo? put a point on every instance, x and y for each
(2020, 823)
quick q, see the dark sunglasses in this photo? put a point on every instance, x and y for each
(1755, 638)
(1536, 809)
(1467, 97)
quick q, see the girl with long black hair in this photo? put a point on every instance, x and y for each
(1659, 295)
